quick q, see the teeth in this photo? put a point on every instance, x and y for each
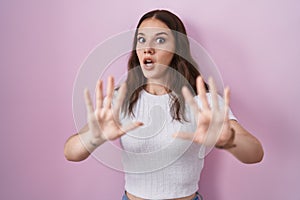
(149, 64)
(148, 61)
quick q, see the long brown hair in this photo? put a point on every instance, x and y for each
(182, 62)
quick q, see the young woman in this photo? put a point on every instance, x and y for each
(162, 79)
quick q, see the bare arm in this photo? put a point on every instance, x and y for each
(245, 147)
(79, 146)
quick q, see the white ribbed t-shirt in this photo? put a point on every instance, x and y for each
(156, 165)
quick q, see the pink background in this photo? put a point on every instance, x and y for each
(43, 43)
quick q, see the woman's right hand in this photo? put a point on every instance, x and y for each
(103, 121)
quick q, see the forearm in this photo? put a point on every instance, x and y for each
(246, 147)
(79, 146)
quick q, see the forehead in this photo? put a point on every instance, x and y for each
(152, 26)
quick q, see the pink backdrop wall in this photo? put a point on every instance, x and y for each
(254, 43)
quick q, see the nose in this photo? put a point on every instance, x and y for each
(149, 50)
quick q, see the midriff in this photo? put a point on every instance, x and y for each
(132, 197)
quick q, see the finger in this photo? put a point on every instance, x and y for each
(227, 100)
(202, 93)
(184, 136)
(190, 100)
(99, 94)
(120, 98)
(109, 92)
(88, 102)
(213, 92)
(227, 96)
(130, 126)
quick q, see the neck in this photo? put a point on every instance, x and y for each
(156, 89)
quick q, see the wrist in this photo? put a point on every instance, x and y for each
(95, 142)
(230, 142)
(91, 142)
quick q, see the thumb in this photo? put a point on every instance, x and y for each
(131, 126)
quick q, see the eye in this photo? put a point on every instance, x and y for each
(160, 40)
(141, 40)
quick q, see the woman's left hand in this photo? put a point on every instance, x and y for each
(213, 127)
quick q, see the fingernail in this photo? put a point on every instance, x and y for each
(140, 123)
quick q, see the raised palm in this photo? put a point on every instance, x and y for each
(103, 122)
(213, 127)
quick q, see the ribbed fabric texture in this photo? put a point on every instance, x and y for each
(158, 166)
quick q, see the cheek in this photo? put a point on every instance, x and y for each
(139, 54)
(167, 58)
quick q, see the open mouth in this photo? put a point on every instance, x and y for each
(148, 62)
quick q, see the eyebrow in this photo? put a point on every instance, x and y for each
(160, 33)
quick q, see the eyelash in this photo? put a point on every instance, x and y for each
(159, 40)
(162, 39)
(141, 38)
